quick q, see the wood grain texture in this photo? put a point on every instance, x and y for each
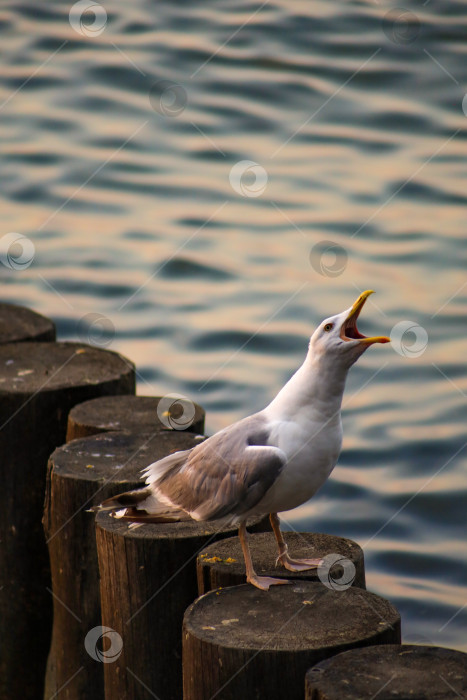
(389, 672)
(82, 473)
(39, 384)
(241, 642)
(133, 413)
(221, 564)
(148, 578)
(19, 324)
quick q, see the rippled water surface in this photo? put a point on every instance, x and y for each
(119, 135)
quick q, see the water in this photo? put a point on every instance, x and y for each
(355, 118)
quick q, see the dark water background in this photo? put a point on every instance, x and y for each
(147, 242)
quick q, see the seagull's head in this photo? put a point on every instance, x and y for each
(339, 339)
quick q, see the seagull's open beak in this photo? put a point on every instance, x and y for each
(349, 329)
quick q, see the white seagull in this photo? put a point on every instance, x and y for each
(269, 462)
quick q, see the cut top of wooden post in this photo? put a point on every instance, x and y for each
(20, 324)
(116, 457)
(222, 564)
(184, 530)
(242, 642)
(389, 672)
(29, 368)
(133, 413)
(300, 616)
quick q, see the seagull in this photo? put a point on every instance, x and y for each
(269, 462)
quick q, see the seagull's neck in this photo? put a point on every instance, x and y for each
(315, 389)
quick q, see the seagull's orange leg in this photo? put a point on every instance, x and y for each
(288, 562)
(262, 582)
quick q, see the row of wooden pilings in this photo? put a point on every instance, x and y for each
(92, 608)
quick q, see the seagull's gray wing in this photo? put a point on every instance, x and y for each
(227, 474)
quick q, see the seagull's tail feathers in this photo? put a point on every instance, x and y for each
(157, 470)
(141, 506)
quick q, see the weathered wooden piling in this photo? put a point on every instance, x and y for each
(221, 564)
(133, 413)
(148, 578)
(389, 672)
(241, 642)
(19, 324)
(82, 473)
(39, 383)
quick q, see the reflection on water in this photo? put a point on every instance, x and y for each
(120, 152)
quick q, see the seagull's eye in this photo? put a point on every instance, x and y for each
(328, 327)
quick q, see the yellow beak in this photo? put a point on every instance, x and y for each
(349, 329)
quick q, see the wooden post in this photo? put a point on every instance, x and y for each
(83, 473)
(134, 413)
(19, 324)
(148, 578)
(389, 672)
(241, 642)
(39, 383)
(221, 564)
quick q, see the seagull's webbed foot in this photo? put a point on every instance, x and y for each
(295, 564)
(261, 582)
(264, 582)
(283, 558)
